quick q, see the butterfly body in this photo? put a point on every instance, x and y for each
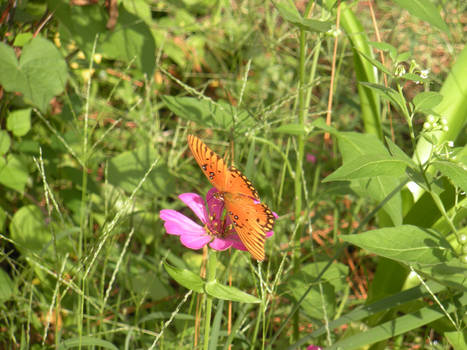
(251, 219)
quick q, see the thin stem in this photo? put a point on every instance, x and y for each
(211, 277)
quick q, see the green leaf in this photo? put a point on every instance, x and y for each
(389, 94)
(376, 63)
(19, 122)
(454, 171)
(414, 77)
(86, 341)
(28, 230)
(5, 142)
(14, 174)
(186, 278)
(399, 325)
(128, 168)
(290, 14)
(7, 287)
(368, 166)
(406, 243)
(398, 299)
(22, 39)
(130, 41)
(3, 216)
(427, 100)
(220, 291)
(451, 274)
(148, 283)
(290, 129)
(320, 123)
(397, 153)
(333, 282)
(353, 145)
(40, 74)
(458, 340)
(426, 11)
(209, 114)
(384, 47)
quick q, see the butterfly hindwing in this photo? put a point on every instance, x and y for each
(251, 221)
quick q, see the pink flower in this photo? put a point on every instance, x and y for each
(313, 347)
(311, 158)
(216, 229)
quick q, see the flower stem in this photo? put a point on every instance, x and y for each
(211, 276)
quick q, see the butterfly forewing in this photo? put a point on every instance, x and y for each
(212, 165)
(223, 178)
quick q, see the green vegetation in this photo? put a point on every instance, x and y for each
(348, 117)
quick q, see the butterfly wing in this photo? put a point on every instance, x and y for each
(212, 165)
(225, 179)
(251, 220)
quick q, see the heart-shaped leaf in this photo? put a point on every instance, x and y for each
(40, 74)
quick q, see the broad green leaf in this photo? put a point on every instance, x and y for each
(353, 145)
(452, 274)
(209, 114)
(186, 278)
(128, 168)
(28, 230)
(312, 305)
(454, 171)
(424, 10)
(220, 291)
(290, 14)
(369, 166)
(40, 74)
(130, 41)
(19, 122)
(148, 283)
(397, 153)
(5, 142)
(7, 287)
(387, 93)
(458, 340)
(85, 342)
(397, 300)
(400, 325)
(333, 282)
(14, 174)
(22, 39)
(406, 243)
(427, 100)
(290, 129)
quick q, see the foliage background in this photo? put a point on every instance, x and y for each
(96, 103)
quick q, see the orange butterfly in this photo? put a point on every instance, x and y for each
(250, 218)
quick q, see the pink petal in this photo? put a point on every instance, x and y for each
(196, 203)
(195, 242)
(178, 224)
(220, 244)
(215, 205)
(236, 242)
